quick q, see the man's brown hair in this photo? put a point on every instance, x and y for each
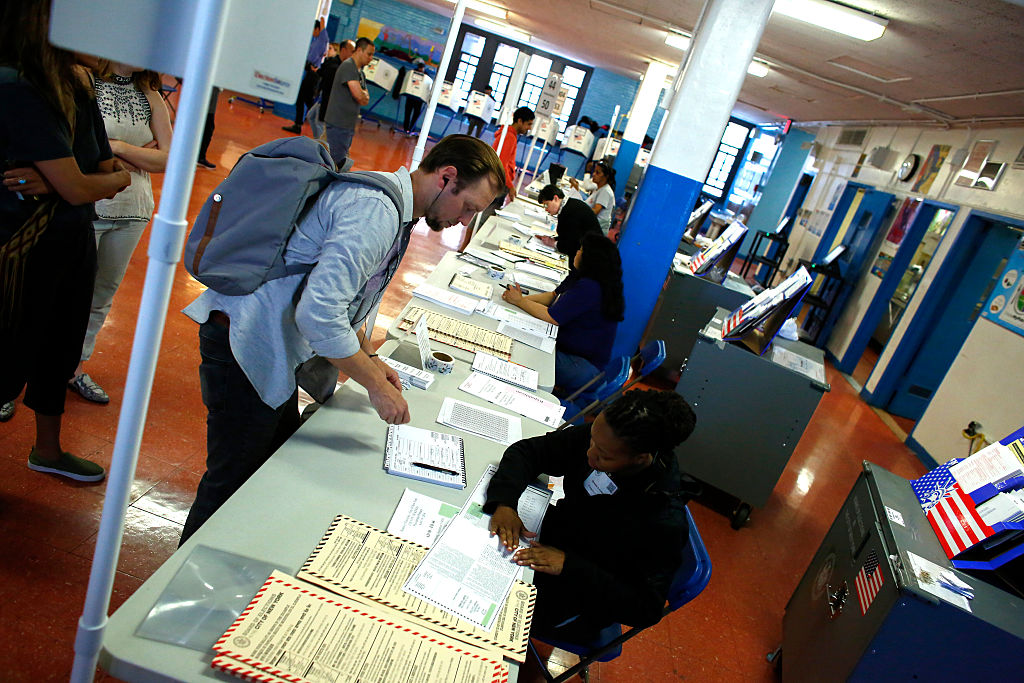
(471, 157)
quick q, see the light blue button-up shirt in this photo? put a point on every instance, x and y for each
(353, 232)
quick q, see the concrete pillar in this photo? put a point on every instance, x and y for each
(724, 41)
(644, 104)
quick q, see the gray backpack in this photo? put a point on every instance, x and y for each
(238, 240)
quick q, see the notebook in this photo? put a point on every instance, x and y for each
(513, 373)
(425, 455)
(490, 424)
(461, 283)
(446, 298)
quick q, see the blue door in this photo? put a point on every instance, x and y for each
(965, 294)
(874, 208)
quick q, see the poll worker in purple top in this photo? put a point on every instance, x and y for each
(587, 307)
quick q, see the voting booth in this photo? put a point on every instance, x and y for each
(417, 84)
(545, 129)
(476, 102)
(579, 139)
(606, 147)
(381, 73)
(445, 98)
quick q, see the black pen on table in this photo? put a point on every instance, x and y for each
(435, 468)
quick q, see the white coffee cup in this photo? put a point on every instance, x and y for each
(496, 272)
(515, 239)
(440, 362)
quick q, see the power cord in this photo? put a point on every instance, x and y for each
(975, 437)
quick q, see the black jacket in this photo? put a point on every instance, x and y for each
(621, 550)
(575, 219)
(327, 71)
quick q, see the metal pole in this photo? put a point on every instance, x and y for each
(164, 252)
(526, 164)
(435, 92)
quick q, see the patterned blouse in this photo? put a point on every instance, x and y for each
(126, 116)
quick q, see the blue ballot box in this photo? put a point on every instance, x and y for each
(880, 601)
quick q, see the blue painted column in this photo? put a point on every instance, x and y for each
(724, 41)
(640, 116)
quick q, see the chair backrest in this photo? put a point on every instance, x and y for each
(693, 574)
(652, 355)
(615, 376)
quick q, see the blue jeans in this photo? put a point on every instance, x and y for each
(315, 123)
(339, 140)
(572, 372)
(241, 430)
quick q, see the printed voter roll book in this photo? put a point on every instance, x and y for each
(370, 565)
(294, 631)
(425, 455)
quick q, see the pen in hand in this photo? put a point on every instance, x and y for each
(435, 468)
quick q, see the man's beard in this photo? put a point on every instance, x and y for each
(433, 224)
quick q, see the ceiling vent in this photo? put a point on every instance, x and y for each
(852, 137)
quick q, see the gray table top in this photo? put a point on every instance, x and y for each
(543, 363)
(331, 466)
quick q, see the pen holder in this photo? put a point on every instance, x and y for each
(440, 362)
(496, 272)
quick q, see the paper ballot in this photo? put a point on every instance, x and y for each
(510, 328)
(489, 424)
(421, 519)
(513, 398)
(468, 573)
(446, 298)
(513, 373)
(532, 506)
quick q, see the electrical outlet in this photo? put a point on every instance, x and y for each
(973, 427)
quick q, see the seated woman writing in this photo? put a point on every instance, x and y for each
(608, 551)
(587, 308)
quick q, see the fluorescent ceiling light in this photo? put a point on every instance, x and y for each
(834, 17)
(503, 29)
(758, 69)
(677, 41)
(485, 8)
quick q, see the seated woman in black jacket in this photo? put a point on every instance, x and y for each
(587, 307)
(575, 219)
(612, 545)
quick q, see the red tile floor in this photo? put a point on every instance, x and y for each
(48, 525)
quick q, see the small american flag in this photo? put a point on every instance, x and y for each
(868, 582)
(950, 511)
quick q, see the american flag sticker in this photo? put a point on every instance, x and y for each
(868, 582)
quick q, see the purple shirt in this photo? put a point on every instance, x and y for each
(582, 328)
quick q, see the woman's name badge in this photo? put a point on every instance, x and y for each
(599, 484)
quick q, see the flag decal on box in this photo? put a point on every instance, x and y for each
(868, 582)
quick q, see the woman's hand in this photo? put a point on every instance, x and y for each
(27, 181)
(513, 295)
(508, 527)
(575, 183)
(541, 558)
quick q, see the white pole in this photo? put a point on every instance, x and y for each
(526, 164)
(435, 92)
(164, 252)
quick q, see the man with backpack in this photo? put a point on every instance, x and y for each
(302, 322)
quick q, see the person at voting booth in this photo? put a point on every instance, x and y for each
(608, 551)
(574, 217)
(347, 97)
(252, 345)
(602, 198)
(587, 307)
(478, 123)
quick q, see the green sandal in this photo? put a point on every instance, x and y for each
(70, 466)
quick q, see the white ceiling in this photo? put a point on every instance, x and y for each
(945, 62)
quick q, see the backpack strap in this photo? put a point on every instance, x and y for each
(381, 181)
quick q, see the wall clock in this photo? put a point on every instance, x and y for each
(908, 167)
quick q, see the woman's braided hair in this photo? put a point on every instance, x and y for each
(651, 421)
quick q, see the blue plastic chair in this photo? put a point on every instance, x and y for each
(596, 392)
(650, 357)
(690, 579)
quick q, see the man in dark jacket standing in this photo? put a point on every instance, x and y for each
(612, 545)
(575, 219)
